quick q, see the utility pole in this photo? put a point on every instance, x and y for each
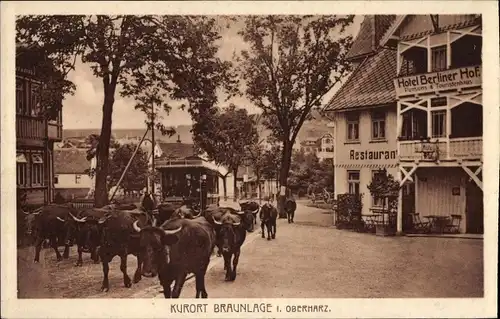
(153, 149)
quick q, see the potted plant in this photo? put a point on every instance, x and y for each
(348, 210)
(383, 186)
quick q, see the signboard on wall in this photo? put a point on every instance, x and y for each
(437, 81)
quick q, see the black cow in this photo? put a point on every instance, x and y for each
(252, 207)
(213, 213)
(290, 207)
(50, 222)
(86, 231)
(231, 235)
(175, 249)
(185, 212)
(268, 215)
(120, 239)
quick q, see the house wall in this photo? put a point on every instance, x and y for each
(435, 192)
(69, 181)
(355, 156)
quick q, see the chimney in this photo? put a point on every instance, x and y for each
(178, 138)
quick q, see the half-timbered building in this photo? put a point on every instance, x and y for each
(35, 134)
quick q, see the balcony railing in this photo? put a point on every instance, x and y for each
(28, 127)
(465, 148)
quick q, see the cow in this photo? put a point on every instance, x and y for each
(268, 215)
(85, 229)
(231, 235)
(50, 222)
(118, 238)
(185, 212)
(175, 249)
(252, 207)
(290, 207)
(213, 213)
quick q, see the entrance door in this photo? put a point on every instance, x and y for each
(474, 209)
(408, 205)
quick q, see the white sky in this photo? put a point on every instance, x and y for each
(84, 109)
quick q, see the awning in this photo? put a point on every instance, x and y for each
(21, 158)
(37, 158)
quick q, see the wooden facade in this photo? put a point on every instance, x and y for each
(35, 137)
(440, 114)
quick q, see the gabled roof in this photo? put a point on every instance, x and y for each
(177, 150)
(371, 31)
(447, 25)
(70, 161)
(371, 84)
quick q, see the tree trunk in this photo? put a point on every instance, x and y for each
(235, 186)
(224, 185)
(101, 189)
(259, 189)
(286, 159)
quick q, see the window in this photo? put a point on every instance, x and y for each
(78, 179)
(378, 125)
(35, 100)
(352, 126)
(21, 170)
(414, 125)
(379, 201)
(413, 61)
(56, 179)
(353, 182)
(37, 169)
(438, 124)
(439, 101)
(20, 96)
(438, 58)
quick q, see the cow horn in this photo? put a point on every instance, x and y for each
(80, 220)
(60, 219)
(25, 213)
(104, 219)
(153, 223)
(173, 231)
(136, 226)
(216, 221)
(240, 213)
(236, 224)
(199, 214)
(37, 211)
(256, 211)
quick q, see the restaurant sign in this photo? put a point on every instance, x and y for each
(438, 81)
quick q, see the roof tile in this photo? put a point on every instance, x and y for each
(370, 84)
(177, 150)
(70, 161)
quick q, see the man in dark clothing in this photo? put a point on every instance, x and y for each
(290, 207)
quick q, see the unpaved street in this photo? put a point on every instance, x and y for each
(307, 259)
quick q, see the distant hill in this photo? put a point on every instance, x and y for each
(314, 128)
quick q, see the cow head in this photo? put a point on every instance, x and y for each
(154, 247)
(30, 220)
(228, 224)
(247, 220)
(185, 212)
(73, 226)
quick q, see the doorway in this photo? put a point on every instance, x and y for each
(408, 206)
(474, 209)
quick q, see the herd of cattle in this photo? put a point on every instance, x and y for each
(170, 241)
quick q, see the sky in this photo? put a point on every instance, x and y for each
(83, 110)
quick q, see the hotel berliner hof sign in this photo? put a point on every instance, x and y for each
(438, 81)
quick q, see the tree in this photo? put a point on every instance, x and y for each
(136, 176)
(293, 61)
(225, 136)
(254, 156)
(176, 55)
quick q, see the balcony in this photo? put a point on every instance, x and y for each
(30, 128)
(464, 148)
